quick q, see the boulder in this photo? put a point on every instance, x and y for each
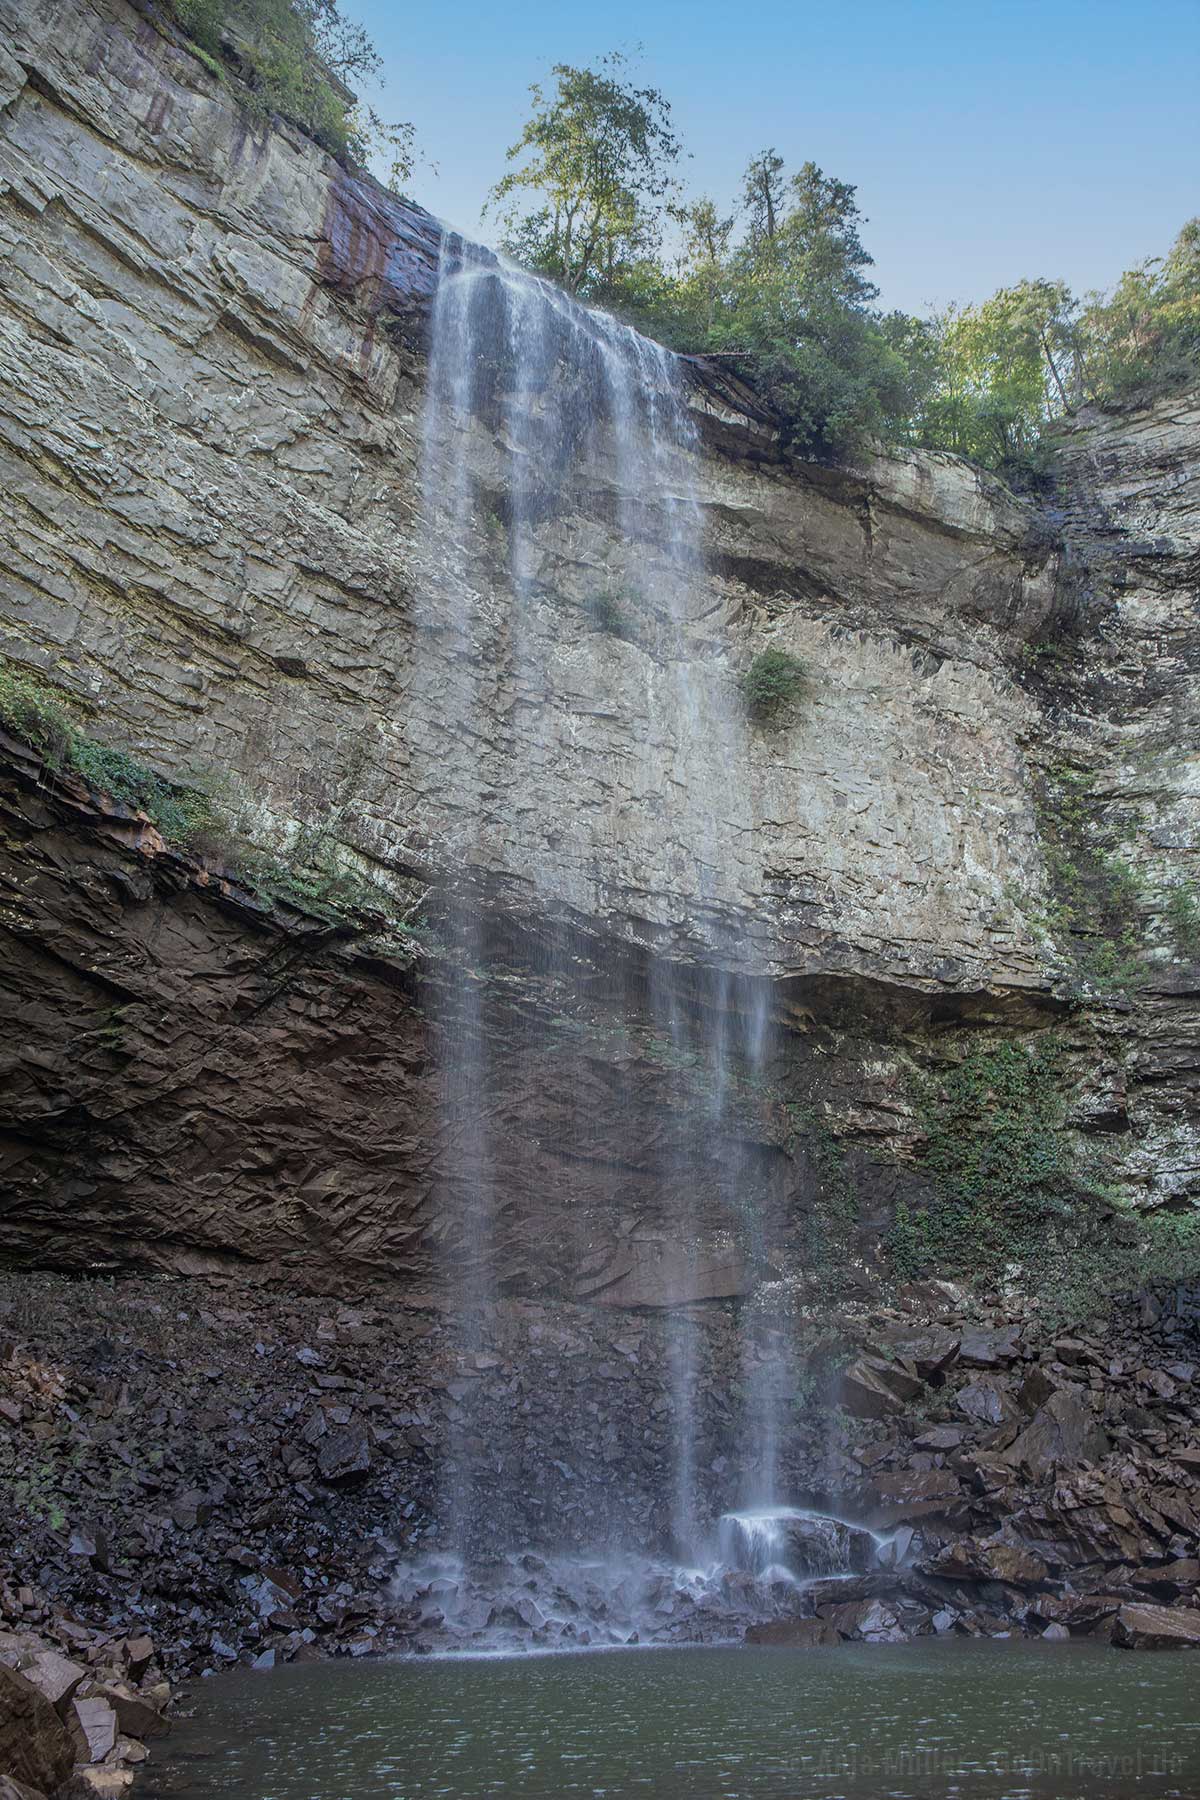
(55, 1676)
(915, 1494)
(16, 1790)
(93, 1725)
(35, 1747)
(792, 1634)
(989, 1349)
(1063, 1431)
(930, 1350)
(345, 1456)
(871, 1620)
(974, 1559)
(873, 1389)
(139, 1654)
(1141, 1627)
(1184, 1572)
(105, 1784)
(986, 1402)
(135, 1716)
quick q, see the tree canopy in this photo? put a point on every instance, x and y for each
(598, 151)
(781, 285)
(300, 57)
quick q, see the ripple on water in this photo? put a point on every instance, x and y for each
(984, 1721)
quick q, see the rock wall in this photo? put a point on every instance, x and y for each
(210, 442)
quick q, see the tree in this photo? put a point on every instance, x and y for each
(703, 254)
(1145, 336)
(300, 57)
(1005, 368)
(599, 152)
(762, 195)
(799, 308)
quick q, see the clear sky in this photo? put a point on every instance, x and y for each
(989, 139)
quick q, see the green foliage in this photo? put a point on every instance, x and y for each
(780, 289)
(1133, 1251)
(1182, 913)
(609, 613)
(597, 151)
(33, 712)
(1144, 338)
(1096, 896)
(30, 711)
(314, 875)
(1005, 369)
(774, 681)
(998, 374)
(1007, 1190)
(298, 56)
(1000, 1172)
(834, 1216)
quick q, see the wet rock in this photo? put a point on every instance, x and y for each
(792, 1634)
(657, 1272)
(1157, 1628)
(873, 1621)
(35, 1747)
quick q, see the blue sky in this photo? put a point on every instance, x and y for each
(988, 140)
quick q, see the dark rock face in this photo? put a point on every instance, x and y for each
(34, 1744)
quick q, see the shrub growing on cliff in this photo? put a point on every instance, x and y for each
(298, 56)
(34, 713)
(774, 681)
(31, 712)
(1182, 912)
(610, 614)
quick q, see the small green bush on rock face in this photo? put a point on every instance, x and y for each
(609, 613)
(774, 681)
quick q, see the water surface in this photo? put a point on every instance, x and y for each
(988, 1721)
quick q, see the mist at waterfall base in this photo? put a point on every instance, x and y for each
(531, 398)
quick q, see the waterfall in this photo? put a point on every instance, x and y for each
(529, 396)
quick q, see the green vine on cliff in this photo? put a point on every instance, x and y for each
(314, 875)
(31, 711)
(1000, 1172)
(1096, 896)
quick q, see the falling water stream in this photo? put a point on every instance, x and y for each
(529, 395)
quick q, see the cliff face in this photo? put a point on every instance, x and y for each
(210, 450)
(211, 445)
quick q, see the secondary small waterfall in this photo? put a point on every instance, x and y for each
(529, 394)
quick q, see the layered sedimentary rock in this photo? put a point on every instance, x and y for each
(211, 435)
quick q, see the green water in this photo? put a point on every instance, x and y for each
(987, 1721)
